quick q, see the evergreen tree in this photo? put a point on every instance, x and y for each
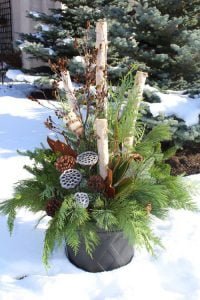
(168, 36)
(163, 37)
(56, 34)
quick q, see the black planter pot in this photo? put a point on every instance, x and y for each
(113, 252)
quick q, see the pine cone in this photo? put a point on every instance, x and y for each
(52, 206)
(65, 162)
(96, 183)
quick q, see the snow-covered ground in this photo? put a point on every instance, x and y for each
(173, 275)
(185, 108)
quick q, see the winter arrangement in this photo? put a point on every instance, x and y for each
(103, 180)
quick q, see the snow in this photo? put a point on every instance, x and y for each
(17, 75)
(14, 74)
(50, 51)
(182, 106)
(173, 275)
(68, 41)
(44, 27)
(57, 16)
(38, 35)
(35, 14)
(79, 59)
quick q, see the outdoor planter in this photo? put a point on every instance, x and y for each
(113, 252)
(104, 172)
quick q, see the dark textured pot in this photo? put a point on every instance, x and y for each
(113, 252)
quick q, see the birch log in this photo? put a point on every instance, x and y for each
(139, 84)
(101, 126)
(101, 65)
(73, 118)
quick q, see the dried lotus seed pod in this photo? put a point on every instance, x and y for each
(88, 158)
(70, 178)
(82, 199)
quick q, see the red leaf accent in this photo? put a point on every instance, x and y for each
(110, 190)
(58, 146)
(109, 178)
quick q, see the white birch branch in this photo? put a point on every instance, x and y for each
(101, 65)
(69, 90)
(101, 126)
(73, 118)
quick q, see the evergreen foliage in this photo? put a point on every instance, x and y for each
(181, 133)
(160, 36)
(168, 34)
(121, 114)
(64, 31)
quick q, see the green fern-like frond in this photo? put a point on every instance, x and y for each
(160, 171)
(52, 236)
(39, 155)
(72, 237)
(169, 152)
(27, 194)
(150, 144)
(135, 223)
(123, 111)
(90, 237)
(9, 208)
(11, 219)
(145, 192)
(66, 225)
(179, 194)
(158, 134)
(104, 219)
(141, 169)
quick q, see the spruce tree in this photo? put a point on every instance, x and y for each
(162, 37)
(168, 36)
(56, 34)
